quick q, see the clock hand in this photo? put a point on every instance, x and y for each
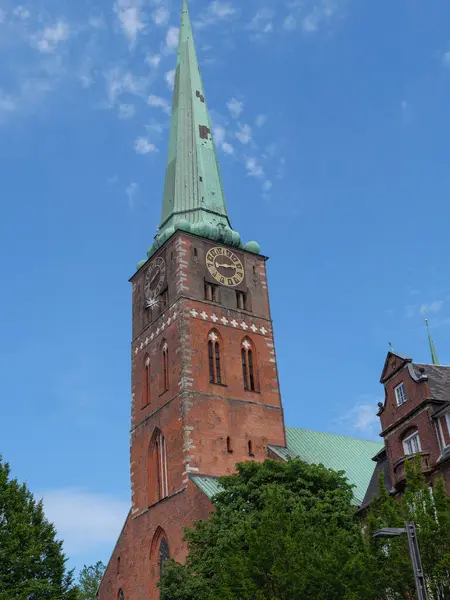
(225, 266)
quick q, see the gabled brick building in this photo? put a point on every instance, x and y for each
(205, 388)
(415, 419)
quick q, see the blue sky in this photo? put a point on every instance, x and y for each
(333, 126)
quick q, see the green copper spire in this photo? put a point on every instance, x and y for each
(193, 195)
(434, 356)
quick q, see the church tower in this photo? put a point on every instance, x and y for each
(205, 391)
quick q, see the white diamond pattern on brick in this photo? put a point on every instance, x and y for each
(136, 350)
(213, 336)
(254, 328)
(203, 315)
(246, 344)
(234, 323)
(244, 326)
(194, 313)
(165, 347)
(263, 330)
(224, 320)
(214, 318)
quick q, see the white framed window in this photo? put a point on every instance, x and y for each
(411, 444)
(400, 394)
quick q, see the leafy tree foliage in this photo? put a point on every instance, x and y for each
(430, 510)
(280, 531)
(89, 581)
(32, 562)
(288, 531)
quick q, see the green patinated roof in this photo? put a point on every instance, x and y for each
(434, 356)
(337, 452)
(209, 485)
(193, 194)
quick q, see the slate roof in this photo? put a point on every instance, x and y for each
(438, 379)
(382, 466)
(337, 452)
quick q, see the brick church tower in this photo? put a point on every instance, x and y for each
(205, 392)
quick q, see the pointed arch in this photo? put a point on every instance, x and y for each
(249, 367)
(146, 381)
(215, 357)
(158, 484)
(164, 368)
(159, 552)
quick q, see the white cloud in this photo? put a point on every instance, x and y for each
(161, 16)
(227, 148)
(260, 120)
(244, 135)
(153, 60)
(254, 169)
(235, 107)
(267, 185)
(131, 193)
(21, 12)
(170, 78)
(143, 146)
(84, 520)
(126, 111)
(364, 417)
(446, 59)
(130, 18)
(97, 22)
(119, 83)
(290, 23)
(158, 102)
(262, 21)
(221, 9)
(433, 307)
(47, 40)
(215, 12)
(172, 36)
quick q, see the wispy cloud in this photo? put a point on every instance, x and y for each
(311, 15)
(49, 38)
(216, 11)
(130, 18)
(84, 520)
(21, 12)
(119, 83)
(219, 135)
(170, 78)
(432, 307)
(143, 146)
(161, 16)
(126, 111)
(262, 22)
(153, 60)
(131, 192)
(446, 59)
(244, 135)
(260, 120)
(235, 107)
(254, 168)
(362, 419)
(158, 102)
(172, 36)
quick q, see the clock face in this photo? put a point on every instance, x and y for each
(155, 278)
(225, 266)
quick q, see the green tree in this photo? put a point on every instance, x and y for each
(89, 581)
(280, 531)
(430, 510)
(32, 562)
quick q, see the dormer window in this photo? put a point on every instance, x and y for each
(400, 394)
(411, 444)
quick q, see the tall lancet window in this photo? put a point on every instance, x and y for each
(146, 378)
(164, 367)
(248, 365)
(164, 555)
(214, 358)
(120, 595)
(158, 484)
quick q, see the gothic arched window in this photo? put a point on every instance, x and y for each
(163, 556)
(120, 595)
(164, 367)
(248, 365)
(214, 358)
(158, 485)
(146, 381)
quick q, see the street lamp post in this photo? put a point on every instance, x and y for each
(410, 531)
